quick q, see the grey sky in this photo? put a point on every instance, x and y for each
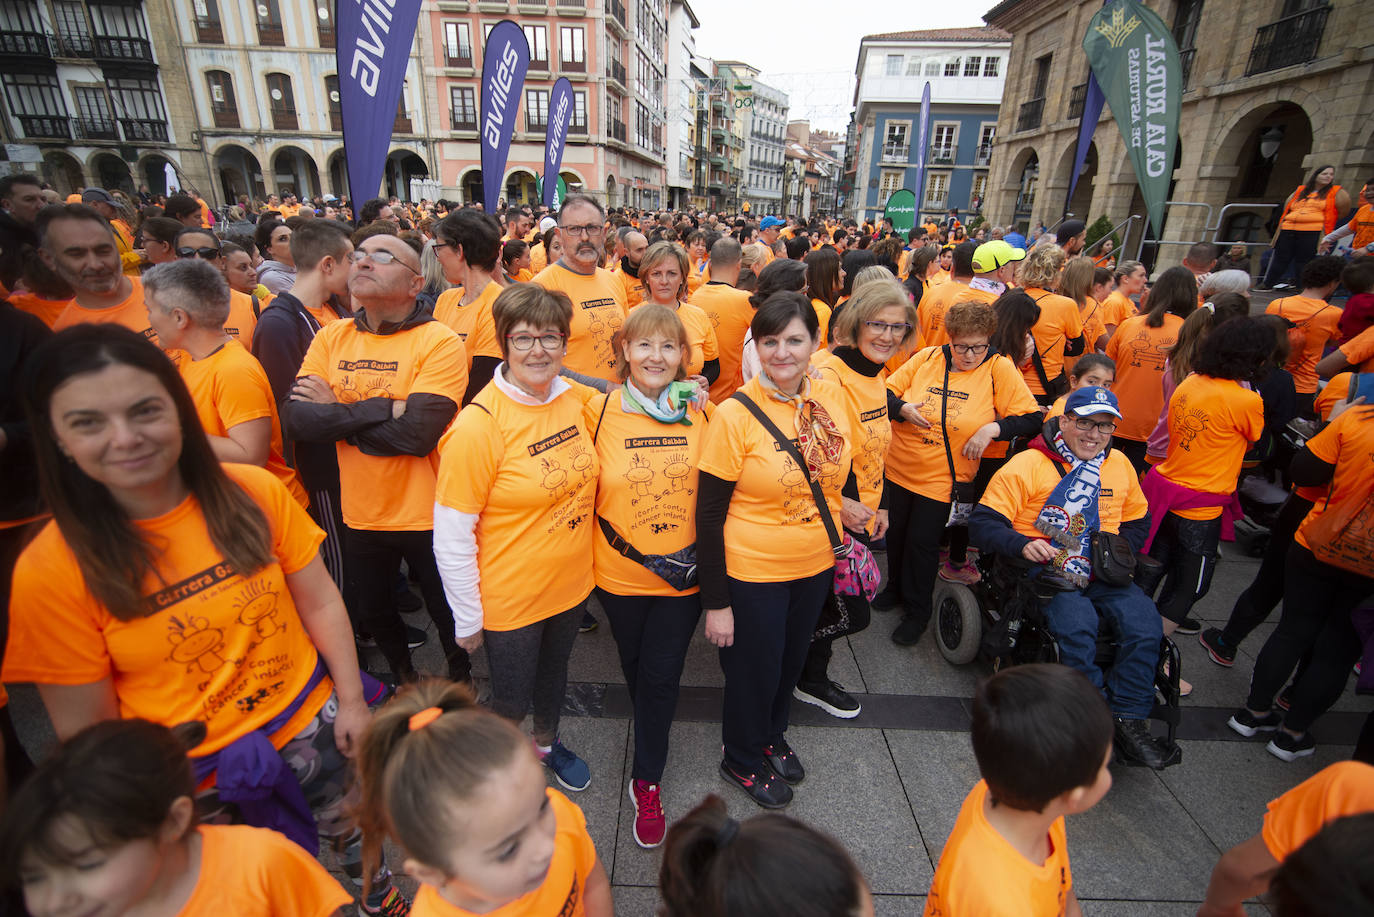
(808, 48)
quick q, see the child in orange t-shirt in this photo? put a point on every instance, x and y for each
(1042, 735)
(108, 824)
(461, 790)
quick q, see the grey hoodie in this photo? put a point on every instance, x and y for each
(276, 276)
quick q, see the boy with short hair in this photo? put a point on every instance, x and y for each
(1043, 738)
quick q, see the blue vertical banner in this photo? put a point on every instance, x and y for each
(1093, 101)
(560, 119)
(505, 60)
(373, 45)
(922, 128)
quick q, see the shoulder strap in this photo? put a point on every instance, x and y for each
(627, 550)
(1039, 365)
(599, 418)
(944, 428)
(257, 306)
(836, 542)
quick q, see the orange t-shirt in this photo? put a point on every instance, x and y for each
(1341, 789)
(865, 399)
(1139, 352)
(230, 387)
(598, 312)
(1059, 323)
(473, 323)
(529, 472)
(48, 310)
(524, 275)
(241, 322)
(695, 278)
(1359, 351)
(1116, 308)
(701, 337)
(1362, 225)
(634, 287)
(982, 875)
(1090, 315)
(565, 885)
(1348, 444)
(773, 531)
(940, 278)
(823, 312)
(935, 302)
(218, 647)
(1318, 320)
(730, 313)
(131, 313)
(246, 870)
(388, 493)
(1306, 214)
(1020, 488)
(646, 490)
(1212, 423)
(539, 258)
(916, 459)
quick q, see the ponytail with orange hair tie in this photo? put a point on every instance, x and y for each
(424, 717)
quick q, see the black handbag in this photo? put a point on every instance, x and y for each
(1113, 558)
(962, 494)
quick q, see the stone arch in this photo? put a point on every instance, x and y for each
(294, 171)
(237, 171)
(470, 185)
(572, 177)
(63, 171)
(151, 170)
(336, 168)
(518, 186)
(110, 172)
(611, 192)
(1228, 140)
(403, 164)
(1083, 194)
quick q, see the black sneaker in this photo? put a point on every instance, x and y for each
(1284, 701)
(408, 602)
(415, 638)
(908, 632)
(1290, 748)
(1222, 653)
(1188, 627)
(1247, 724)
(784, 762)
(1135, 746)
(589, 623)
(886, 601)
(767, 789)
(830, 697)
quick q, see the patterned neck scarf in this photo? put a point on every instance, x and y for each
(1069, 516)
(669, 407)
(818, 439)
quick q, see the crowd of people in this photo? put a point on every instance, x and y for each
(232, 441)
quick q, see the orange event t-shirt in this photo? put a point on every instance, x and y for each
(1139, 352)
(634, 287)
(563, 893)
(865, 399)
(1341, 789)
(1059, 323)
(47, 310)
(935, 302)
(1090, 315)
(1318, 320)
(1359, 351)
(529, 473)
(823, 312)
(598, 301)
(241, 322)
(773, 530)
(388, 493)
(1212, 423)
(1116, 308)
(217, 647)
(916, 459)
(247, 870)
(646, 490)
(131, 313)
(473, 323)
(230, 387)
(730, 313)
(1020, 488)
(701, 337)
(982, 875)
(1348, 444)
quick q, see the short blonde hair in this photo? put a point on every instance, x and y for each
(1041, 267)
(664, 251)
(752, 254)
(530, 304)
(867, 301)
(651, 320)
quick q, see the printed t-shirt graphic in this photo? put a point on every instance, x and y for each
(389, 493)
(701, 337)
(1116, 308)
(1344, 788)
(1020, 488)
(473, 322)
(1093, 327)
(916, 459)
(935, 302)
(1211, 425)
(241, 321)
(1318, 320)
(865, 400)
(246, 870)
(981, 873)
(1139, 352)
(773, 532)
(598, 312)
(529, 472)
(230, 387)
(564, 888)
(730, 313)
(652, 495)
(1059, 323)
(1349, 439)
(217, 647)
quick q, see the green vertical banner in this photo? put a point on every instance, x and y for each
(901, 210)
(1135, 61)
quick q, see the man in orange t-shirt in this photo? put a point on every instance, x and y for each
(627, 269)
(80, 246)
(730, 312)
(1315, 320)
(383, 387)
(200, 243)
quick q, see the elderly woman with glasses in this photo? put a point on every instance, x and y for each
(951, 402)
(514, 519)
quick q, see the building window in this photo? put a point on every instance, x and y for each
(990, 65)
(138, 105)
(980, 189)
(913, 66)
(536, 109)
(952, 67)
(269, 24)
(578, 124)
(464, 108)
(36, 100)
(643, 128)
(895, 147)
(457, 44)
(890, 183)
(73, 31)
(281, 102)
(324, 21)
(572, 48)
(933, 67)
(894, 65)
(942, 143)
(937, 189)
(538, 38)
(222, 104)
(93, 118)
(331, 91)
(972, 66)
(208, 28)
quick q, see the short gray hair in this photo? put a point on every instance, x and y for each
(193, 285)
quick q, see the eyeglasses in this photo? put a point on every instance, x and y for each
(589, 230)
(378, 256)
(964, 350)
(549, 341)
(1106, 427)
(208, 253)
(899, 329)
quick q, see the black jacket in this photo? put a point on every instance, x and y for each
(20, 333)
(15, 237)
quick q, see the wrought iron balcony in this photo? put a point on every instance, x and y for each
(616, 130)
(1078, 98)
(463, 120)
(935, 201)
(96, 129)
(55, 127)
(271, 34)
(615, 13)
(1288, 41)
(209, 31)
(123, 48)
(983, 156)
(896, 152)
(328, 36)
(565, 6)
(460, 56)
(143, 130)
(616, 71)
(1025, 201)
(24, 44)
(1031, 114)
(1185, 65)
(943, 155)
(78, 45)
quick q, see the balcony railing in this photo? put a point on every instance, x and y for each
(144, 130)
(79, 45)
(1185, 65)
(123, 48)
(616, 130)
(935, 201)
(53, 126)
(462, 120)
(616, 71)
(896, 152)
(1078, 98)
(335, 119)
(209, 31)
(402, 125)
(96, 129)
(571, 4)
(578, 127)
(983, 156)
(1287, 41)
(1031, 114)
(1025, 201)
(460, 56)
(284, 119)
(228, 117)
(943, 155)
(615, 11)
(572, 66)
(534, 123)
(24, 44)
(271, 34)
(328, 37)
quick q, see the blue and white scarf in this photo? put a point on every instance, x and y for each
(1069, 516)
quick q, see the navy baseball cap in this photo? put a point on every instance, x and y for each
(1090, 400)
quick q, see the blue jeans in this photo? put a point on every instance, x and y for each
(1136, 629)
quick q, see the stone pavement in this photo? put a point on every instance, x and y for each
(889, 784)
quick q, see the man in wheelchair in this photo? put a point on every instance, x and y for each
(1057, 505)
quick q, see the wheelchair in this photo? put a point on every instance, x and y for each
(1001, 620)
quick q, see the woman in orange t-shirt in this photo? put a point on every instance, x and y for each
(108, 824)
(1310, 213)
(1076, 282)
(1058, 332)
(664, 270)
(825, 278)
(648, 434)
(1118, 306)
(176, 589)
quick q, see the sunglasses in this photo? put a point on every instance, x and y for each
(209, 254)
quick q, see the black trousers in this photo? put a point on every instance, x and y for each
(1188, 550)
(1317, 601)
(1264, 592)
(773, 627)
(816, 669)
(1291, 249)
(325, 510)
(13, 540)
(374, 561)
(1135, 450)
(913, 548)
(652, 634)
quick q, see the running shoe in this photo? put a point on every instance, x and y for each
(415, 638)
(569, 770)
(767, 789)
(1247, 724)
(1189, 626)
(967, 574)
(1220, 652)
(589, 623)
(1284, 701)
(830, 697)
(784, 762)
(392, 904)
(1290, 748)
(650, 825)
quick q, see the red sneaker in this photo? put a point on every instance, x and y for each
(650, 825)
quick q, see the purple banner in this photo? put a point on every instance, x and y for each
(505, 59)
(560, 117)
(373, 45)
(921, 130)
